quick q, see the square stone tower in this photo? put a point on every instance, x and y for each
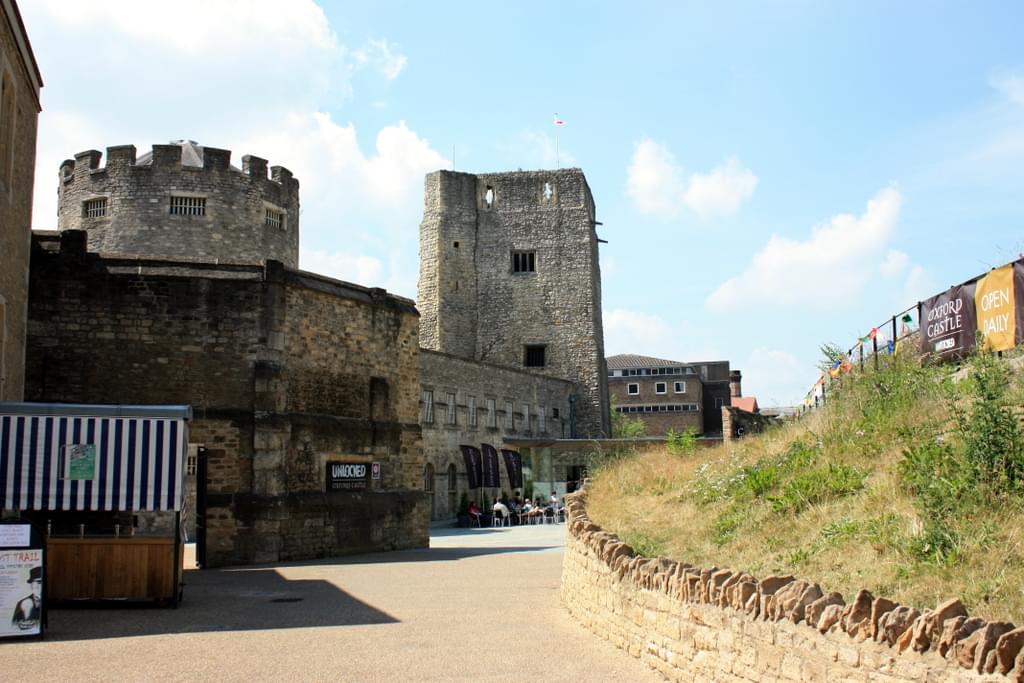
(509, 274)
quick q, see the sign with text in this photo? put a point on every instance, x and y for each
(15, 535)
(347, 476)
(948, 323)
(471, 454)
(491, 469)
(996, 307)
(514, 467)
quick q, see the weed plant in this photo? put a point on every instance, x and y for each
(909, 482)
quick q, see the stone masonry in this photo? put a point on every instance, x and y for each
(286, 371)
(523, 403)
(19, 112)
(711, 624)
(475, 304)
(126, 205)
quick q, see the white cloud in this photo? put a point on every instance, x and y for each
(722, 191)
(628, 331)
(225, 27)
(654, 181)
(775, 377)
(894, 263)
(1011, 85)
(658, 185)
(379, 55)
(341, 265)
(835, 262)
(919, 286)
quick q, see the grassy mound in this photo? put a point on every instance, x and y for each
(907, 483)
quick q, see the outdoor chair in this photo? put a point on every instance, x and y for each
(499, 518)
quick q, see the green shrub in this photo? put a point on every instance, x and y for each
(992, 440)
(682, 442)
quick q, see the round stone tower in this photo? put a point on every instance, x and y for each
(181, 200)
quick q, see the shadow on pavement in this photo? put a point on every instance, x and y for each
(242, 599)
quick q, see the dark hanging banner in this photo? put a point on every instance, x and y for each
(471, 455)
(514, 467)
(492, 471)
(948, 323)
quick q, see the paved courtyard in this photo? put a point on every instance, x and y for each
(479, 605)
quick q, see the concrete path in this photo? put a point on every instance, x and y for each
(479, 605)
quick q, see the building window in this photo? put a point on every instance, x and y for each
(453, 481)
(510, 418)
(492, 414)
(632, 389)
(719, 403)
(471, 409)
(428, 406)
(188, 206)
(428, 478)
(275, 219)
(524, 262)
(451, 408)
(534, 356)
(526, 417)
(95, 208)
(680, 387)
(660, 388)
(542, 425)
(554, 413)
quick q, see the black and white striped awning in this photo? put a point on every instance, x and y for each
(102, 458)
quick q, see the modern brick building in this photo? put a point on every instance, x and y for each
(669, 394)
(20, 83)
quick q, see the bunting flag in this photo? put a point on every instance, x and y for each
(890, 346)
(873, 333)
(833, 372)
(846, 366)
(908, 319)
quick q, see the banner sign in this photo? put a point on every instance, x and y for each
(347, 476)
(491, 469)
(471, 455)
(948, 323)
(21, 581)
(1018, 287)
(514, 467)
(996, 306)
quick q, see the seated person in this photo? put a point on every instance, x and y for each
(474, 511)
(500, 510)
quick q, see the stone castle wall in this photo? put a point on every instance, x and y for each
(710, 624)
(138, 220)
(476, 383)
(243, 344)
(474, 306)
(19, 114)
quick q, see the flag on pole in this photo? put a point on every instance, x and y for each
(557, 121)
(873, 333)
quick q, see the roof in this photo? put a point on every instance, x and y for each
(745, 403)
(191, 154)
(629, 360)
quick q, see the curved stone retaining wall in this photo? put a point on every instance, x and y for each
(710, 624)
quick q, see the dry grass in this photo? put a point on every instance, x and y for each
(705, 508)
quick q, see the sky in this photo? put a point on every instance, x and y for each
(771, 177)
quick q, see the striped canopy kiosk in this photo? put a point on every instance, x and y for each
(62, 460)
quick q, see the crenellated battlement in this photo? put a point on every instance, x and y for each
(133, 204)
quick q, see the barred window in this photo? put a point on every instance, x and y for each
(534, 355)
(428, 406)
(188, 206)
(471, 409)
(524, 261)
(95, 208)
(275, 219)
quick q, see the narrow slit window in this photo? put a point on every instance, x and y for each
(451, 408)
(510, 418)
(542, 424)
(471, 410)
(489, 197)
(492, 413)
(188, 206)
(548, 192)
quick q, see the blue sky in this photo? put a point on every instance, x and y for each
(770, 177)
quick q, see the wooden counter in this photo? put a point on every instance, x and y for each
(135, 568)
